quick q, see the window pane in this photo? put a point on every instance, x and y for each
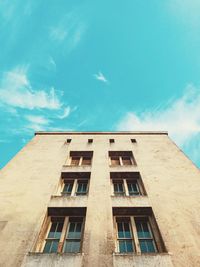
(67, 188)
(133, 189)
(72, 246)
(71, 230)
(127, 230)
(129, 246)
(82, 188)
(122, 246)
(120, 230)
(115, 161)
(56, 229)
(74, 230)
(143, 230)
(125, 246)
(52, 230)
(86, 161)
(51, 246)
(147, 246)
(75, 161)
(118, 188)
(126, 161)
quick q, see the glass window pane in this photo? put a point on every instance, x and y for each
(115, 161)
(72, 246)
(120, 230)
(68, 188)
(127, 230)
(143, 230)
(51, 246)
(75, 161)
(71, 230)
(126, 161)
(78, 230)
(52, 230)
(86, 161)
(47, 246)
(147, 246)
(129, 246)
(58, 230)
(122, 246)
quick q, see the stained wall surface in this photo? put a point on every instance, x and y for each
(30, 181)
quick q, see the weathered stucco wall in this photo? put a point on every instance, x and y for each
(171, 180)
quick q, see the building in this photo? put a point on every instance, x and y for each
(100, 199)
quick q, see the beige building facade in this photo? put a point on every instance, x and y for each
(115, 199)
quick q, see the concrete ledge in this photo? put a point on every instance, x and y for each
(104, 133)
(142, 260)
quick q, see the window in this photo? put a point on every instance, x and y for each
(62, 231)
(118, 188)
(82, 187)
(121, 158)
(73, 236)
(81, 158)
(86, 161)
(74, 183)
(137, 231)
(145, 236)
(133, 140)
(90, 141)
(115, 160)
(69, 141)
(126, 160)
(111, 141)
(127, 184)
(67, 189)
(75, 161)
(124, 235)
(53, 237)
(133, 188)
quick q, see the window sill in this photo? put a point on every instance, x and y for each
(32, 253)
(142, 254)
(66, 196)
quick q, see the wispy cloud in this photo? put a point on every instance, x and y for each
(37, 119)
(16, 91)
(65, 114)
(181, 118)
(101, 77)
(68, 31)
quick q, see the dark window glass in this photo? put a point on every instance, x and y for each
(56, 229)
(115, 161)
(118, 188)
(147, 246)
(133, 189)
(72, 246)
(125, 246)
(51, 246)
(126, 160)
(86, 161)
(145, 236)
(81, 188)
(67, 188)
(75, 161)
(73, 238)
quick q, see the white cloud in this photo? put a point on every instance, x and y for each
(181, 118)
(16, 91)
(99, 76)
(37, 119)
(65, 114)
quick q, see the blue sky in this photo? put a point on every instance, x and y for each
(99, 65)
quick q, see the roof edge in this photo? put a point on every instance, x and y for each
(103, 133)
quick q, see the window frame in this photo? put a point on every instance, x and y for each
(64, 232)
(152, 226)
